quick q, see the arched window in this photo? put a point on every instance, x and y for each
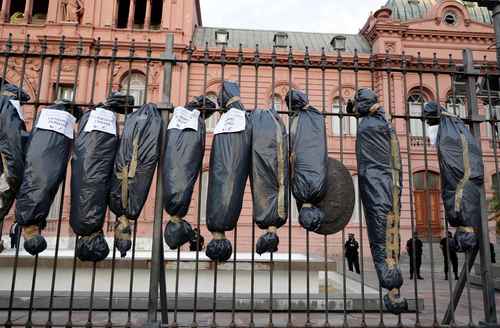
(137, 87)
(211, 122)
(416, 102)
(456, 105)
(348, 122)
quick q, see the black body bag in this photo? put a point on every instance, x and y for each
(309, 159)
(269, 177)
(91, 172)
(380, 180)
(47, 159)
(13, 138)
(134, 168)
(229, 170)
(462, 175)
(182, 162)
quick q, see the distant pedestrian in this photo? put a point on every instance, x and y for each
(453, 258)
(351, 253)
(493, 256)
(14, 234)
(415, 255)
(196, 243)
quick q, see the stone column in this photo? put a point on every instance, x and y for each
(5, 10)
(147, 20)
(131, 13)
(28, 11)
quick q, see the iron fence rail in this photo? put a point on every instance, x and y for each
(102, 309)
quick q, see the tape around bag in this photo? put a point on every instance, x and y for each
(234, 120)
(184, 119)
(57, 121)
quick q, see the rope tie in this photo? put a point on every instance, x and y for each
(30, 231)
(176, 219)
(374, 109)
(92, 236)
(122, 228)
(307, 205)
(272, 229)
(232, 100)
(466, 229)
(219, 235)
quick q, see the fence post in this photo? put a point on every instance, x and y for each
(157, 270)
(484, 247)
(485, 255)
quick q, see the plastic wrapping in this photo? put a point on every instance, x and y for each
(229, 170)
(134, 168)
(380, 179)
(13, 137)
(269, 177)
(46, 163)
(182, 161)
(91, 171)
(309, 159)
(462, 175)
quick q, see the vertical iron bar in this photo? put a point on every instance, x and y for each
(410, 181)
(427, 194)
(157, 274)
(308, 269)
(8, 52)
(69, 323)
(485, 255)
(323, 63)
(290, 223)
(200, 192)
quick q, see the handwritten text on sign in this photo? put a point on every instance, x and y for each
(102, 120)
(231, 121)
(57, 120)
(184, 119)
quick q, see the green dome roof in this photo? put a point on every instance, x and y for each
(405, 10)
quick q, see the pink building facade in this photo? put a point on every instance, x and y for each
(425, 30)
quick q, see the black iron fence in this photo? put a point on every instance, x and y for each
(184, 288)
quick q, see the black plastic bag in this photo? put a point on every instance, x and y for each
(229, 170)
(182, 161)
(91, 171)
(134, 168)
(462, 175)
(380, 180)
(13, 137)
(46, 163)
(269, 177)
(309, 159)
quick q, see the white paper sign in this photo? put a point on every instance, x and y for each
(57, 121)
(103, 120)
(231, 121)
(17, 106)
(184, 119)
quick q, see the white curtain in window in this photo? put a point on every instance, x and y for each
(56, 205)
(204, 192)
(349, 126)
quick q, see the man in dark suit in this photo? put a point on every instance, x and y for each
(351, 253)
(453, 258)
(415, 255)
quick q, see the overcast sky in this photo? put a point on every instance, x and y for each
(329, 16)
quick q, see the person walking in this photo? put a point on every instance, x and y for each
(415, 255)
(14, 234)
(493, 256)
(194, 243)
(351, 253)
(453, 258)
